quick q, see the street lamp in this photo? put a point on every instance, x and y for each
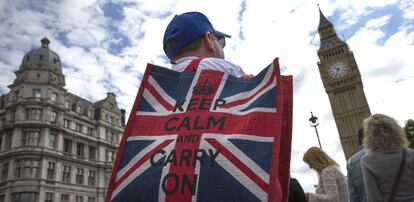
(313, 120)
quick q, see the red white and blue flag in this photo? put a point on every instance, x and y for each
(206, 136)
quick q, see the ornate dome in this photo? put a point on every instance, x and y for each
(42, 56)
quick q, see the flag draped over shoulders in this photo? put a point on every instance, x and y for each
(206, 136)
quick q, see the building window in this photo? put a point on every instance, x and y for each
(78, 109)
(107, 177)
(2, 104)
(78, 127)
(91, 199)
(79, 199)
(111, 136)
(67, 104)
(109, 156)
(54, 97)
(90, 131)
(80, 149)
(67, 145)
(79, 175)
(30, 138)
(110, 119)
(2, 198)
(34, 113)
(8, 140)
(52, 141)
(24, 197)
(13, 115)
(53, 117)
(90, 113)
(66, 123)
(64, 198)
(4, 172)
(92, 153)
(66, 174)
(16, 94)
(91, 178)
(36, 93)
(49, 197)
(51, 170)
(27, 168)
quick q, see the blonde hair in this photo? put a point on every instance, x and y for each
(317, 159)
(383, 133)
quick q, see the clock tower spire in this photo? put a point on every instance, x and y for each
(342, 81)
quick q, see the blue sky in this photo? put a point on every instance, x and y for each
(105, 46)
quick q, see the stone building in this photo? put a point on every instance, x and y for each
(54, 145)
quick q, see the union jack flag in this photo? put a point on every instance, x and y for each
(206, 136)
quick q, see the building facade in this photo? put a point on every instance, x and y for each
(342, 81)
(54, 145)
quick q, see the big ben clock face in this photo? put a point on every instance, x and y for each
(338, 69)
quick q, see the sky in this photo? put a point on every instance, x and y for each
(104, 47)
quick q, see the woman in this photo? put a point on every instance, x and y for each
(385, 141)
(332, 184)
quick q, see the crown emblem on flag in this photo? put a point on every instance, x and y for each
(204, 88)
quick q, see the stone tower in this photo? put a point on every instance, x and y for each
(342, 81)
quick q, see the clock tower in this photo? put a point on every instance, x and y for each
(342, 81)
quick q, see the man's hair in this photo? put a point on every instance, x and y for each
(193, 46)
(318, 159)
(383, 133)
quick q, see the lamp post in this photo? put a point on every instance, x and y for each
(313, 120)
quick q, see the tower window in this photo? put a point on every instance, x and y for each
(41, 57)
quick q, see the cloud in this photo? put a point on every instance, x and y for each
(407, 7)
(377, 23)
(392, 68)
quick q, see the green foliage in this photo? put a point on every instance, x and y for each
(409, 130)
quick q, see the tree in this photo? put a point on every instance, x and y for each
(409, 130)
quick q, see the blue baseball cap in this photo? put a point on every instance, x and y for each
(186, 28)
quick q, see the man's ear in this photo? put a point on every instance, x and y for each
(209, 41)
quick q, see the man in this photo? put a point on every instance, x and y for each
(355, 181)
(191, 42)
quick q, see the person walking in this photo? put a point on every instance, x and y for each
(332, 185)
(355, 180)
(388, 166)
